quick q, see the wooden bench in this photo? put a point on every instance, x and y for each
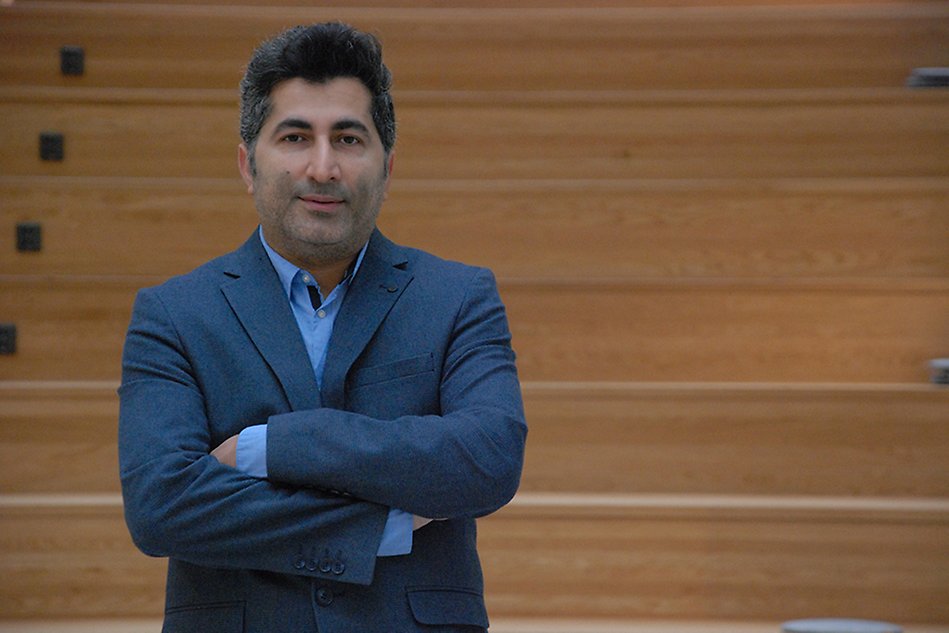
(894, 134)
(587, 556)
(775, 439)
(474, 47)
(888, 228)
(72, 328)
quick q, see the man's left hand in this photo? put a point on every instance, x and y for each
(226, 453)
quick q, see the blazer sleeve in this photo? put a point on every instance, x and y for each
(181, 502)
(464, 462)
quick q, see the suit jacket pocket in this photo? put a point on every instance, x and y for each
(448, 606)
(219, 617)
(396, 369)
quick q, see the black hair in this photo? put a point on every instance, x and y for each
(317, 53)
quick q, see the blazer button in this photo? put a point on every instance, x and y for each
(300, 563)
(311, 565)
(326, 565)
(324, 597)
(339, 567)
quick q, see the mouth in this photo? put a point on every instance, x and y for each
(321, 203)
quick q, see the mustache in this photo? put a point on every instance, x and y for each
(328, 190)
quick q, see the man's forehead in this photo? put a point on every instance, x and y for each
(299, 98)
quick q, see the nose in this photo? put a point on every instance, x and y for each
(323, 165)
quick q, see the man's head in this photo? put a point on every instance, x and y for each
(317, 127)
(316, 53)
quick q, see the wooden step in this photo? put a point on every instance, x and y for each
(717, 557)
(888, 133)
(581, 229)
(868, 440)
(860, 440)
(73, 328)
(473, 46)
(505, 625)
(579, 557)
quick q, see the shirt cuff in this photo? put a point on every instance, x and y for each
(251, 453)
(397, 535)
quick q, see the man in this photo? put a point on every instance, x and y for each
(310, 425)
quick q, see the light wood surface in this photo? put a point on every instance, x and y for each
(502, 625)
(577, 229)
(720, 230)
(72, 328)
(899, 133)
(779, 439)
(551, 46)
(690, 557)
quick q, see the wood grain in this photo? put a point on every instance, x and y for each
(894, 134)
(475, 46)
(576, 229)
(778, 439)
(73, 328)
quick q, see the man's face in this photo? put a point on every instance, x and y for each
(321, 171)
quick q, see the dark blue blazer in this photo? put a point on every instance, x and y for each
(420, 410)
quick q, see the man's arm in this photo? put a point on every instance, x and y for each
(247, 451)
(181, 502)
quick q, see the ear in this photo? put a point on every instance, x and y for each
(243, 164)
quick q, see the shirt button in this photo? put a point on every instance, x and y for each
(321, 314)
(306, 279)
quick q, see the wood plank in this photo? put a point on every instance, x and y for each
(73, 328)
(887, 440)
(893, 134)
(544, 47)
(643, 558)
(578, 229)
(504, 625)
(627, 557)
(722, 332)
(68, 430)
(862, 440)
(90, 570)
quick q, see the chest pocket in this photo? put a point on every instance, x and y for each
(403, 368)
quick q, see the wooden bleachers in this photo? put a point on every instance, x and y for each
(720, 231)
(73, 329)
(694, 553)
(597, 438)
(858, 229)
(749, 45)
(623, 138)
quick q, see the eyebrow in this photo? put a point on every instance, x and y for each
(301, 124)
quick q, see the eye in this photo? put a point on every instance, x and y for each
(293, 138)
(349, 139)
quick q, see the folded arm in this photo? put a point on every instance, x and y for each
(181, 502)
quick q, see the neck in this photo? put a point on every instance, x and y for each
(328, 276)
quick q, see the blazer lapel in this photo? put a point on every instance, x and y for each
(378, 284)
(258, 300)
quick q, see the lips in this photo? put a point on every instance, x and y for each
(317, 202)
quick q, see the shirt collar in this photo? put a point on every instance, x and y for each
(287, 271)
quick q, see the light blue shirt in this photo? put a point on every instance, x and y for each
(316, 326)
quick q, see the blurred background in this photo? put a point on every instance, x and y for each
(721, 229)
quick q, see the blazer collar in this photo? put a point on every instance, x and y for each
(382, 277)
(256, 296)
(254, 293)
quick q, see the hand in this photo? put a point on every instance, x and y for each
(226, 453)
